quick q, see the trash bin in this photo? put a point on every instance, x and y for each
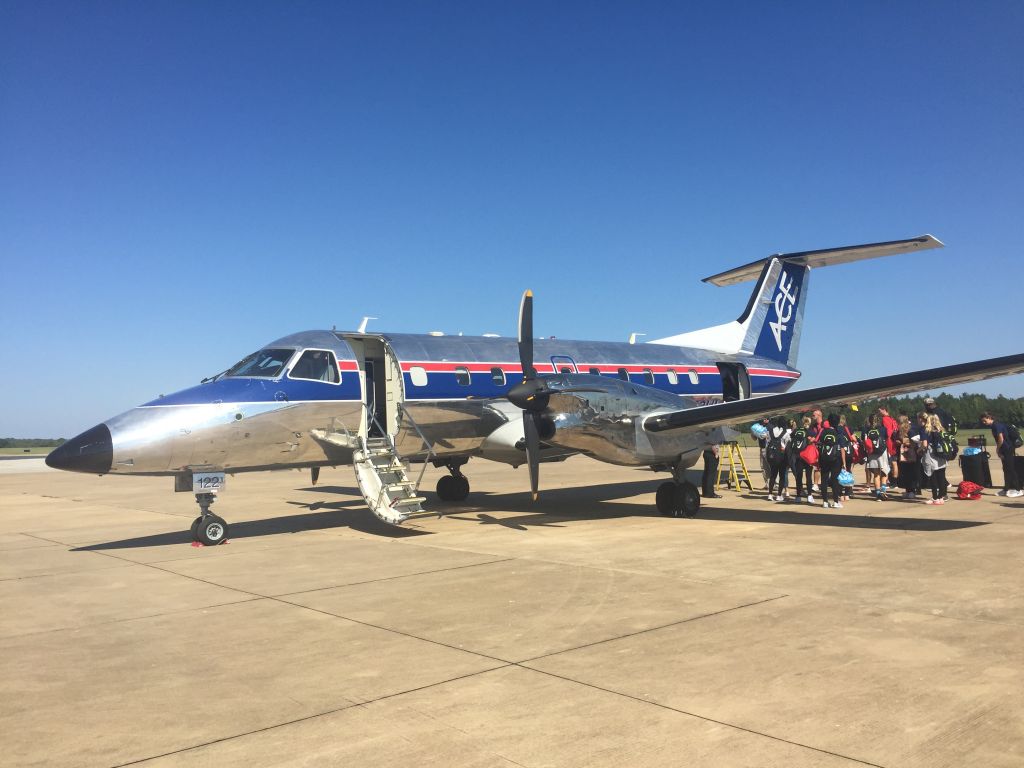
(975, 468)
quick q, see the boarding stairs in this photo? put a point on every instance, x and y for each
(385, 479)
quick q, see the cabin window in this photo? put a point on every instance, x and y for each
(595, 371)
(265, 364)
(498, 376)
(462, 376)
(565, 369)
(648, 376)
(316, 365)
(673, 377)
(623, 374)
(418, 376)
(694, 376)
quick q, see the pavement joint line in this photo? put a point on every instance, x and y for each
(315, 715)
(78, 627)
(704, 717)
(651, 629)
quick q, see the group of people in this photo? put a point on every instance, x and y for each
(820, 451)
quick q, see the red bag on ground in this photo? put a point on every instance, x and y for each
(810, 454)
(969, 490)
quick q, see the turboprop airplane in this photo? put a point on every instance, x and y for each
(382, 401)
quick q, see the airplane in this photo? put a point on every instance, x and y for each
(384, 401)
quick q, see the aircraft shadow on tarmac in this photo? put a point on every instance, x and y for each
(554, 508)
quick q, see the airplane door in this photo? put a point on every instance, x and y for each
(563, 364)
(735, 381)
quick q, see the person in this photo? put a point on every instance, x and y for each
(849, 441)
(762, 443)
(831, 458)
(891, 428)
(816, 419)
(948, 422)
(1007, 453)
(798, 440)
(710, 476)
(875, 447)
(934, 466)
(910, 466)
(776, 456)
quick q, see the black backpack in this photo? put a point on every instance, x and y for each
(773, 452)
(798, 441)
(944, 446)
(828, 446)
(877, 443)
(1013, 436)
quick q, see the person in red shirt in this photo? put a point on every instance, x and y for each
(892, 429)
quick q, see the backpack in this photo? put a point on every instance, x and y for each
(944, 446)
(874, 443)
(828, 446)
(969, 490)
(773, 452)
(798, 440)
(1013, 436)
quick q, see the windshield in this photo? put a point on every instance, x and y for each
(267, 364)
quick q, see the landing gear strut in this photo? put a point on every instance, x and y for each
(453, 487)
(208, 528)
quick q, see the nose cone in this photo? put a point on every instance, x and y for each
(92, 452)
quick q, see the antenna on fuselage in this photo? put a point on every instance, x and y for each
(362, 325)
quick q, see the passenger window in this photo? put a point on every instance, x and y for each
(694, 376)
(623, 374)
(462, 376)
(418, 376)
(595, 371)
(316, 365)
(565, 369)
(673, 377)
(648, 376)
(498, 376)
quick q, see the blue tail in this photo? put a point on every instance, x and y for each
(777, 312)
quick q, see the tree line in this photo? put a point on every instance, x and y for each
(30, 442)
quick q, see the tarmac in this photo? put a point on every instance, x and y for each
(581, 630)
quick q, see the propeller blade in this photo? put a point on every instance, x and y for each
(526, 335)
(532, 451)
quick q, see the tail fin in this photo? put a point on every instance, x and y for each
(770, 325)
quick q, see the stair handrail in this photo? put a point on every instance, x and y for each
(403, 413)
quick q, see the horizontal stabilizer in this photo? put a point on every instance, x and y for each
(826, 257)
(835, 395)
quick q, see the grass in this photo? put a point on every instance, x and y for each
(25, 451)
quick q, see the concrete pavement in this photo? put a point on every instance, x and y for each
(584, 630)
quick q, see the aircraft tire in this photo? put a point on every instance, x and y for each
(665, 499)
(461, 489)
(451, 488)
(195, 528)
(689, 499)
(211, 531)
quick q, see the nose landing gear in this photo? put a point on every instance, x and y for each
(208, 529)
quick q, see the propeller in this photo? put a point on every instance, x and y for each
(531, 394)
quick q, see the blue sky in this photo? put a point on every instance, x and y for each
(184, 182)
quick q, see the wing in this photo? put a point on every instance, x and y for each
(835, 395)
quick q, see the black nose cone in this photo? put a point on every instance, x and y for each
(92, 452)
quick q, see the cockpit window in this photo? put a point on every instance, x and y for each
(265, 364)
(317, 365)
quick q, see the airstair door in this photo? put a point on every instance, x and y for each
(735, 381)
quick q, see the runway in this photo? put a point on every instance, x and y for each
(583, 630)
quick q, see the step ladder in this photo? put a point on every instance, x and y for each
(733, 466)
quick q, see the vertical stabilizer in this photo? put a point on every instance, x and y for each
(769, 326)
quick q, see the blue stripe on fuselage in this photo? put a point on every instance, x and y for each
(246, 390)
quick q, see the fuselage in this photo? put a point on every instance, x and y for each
(266, 413)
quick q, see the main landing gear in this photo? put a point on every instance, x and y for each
(453, 487)
(208, 529)
(678, 497)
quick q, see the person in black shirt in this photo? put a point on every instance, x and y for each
(1007, 455)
